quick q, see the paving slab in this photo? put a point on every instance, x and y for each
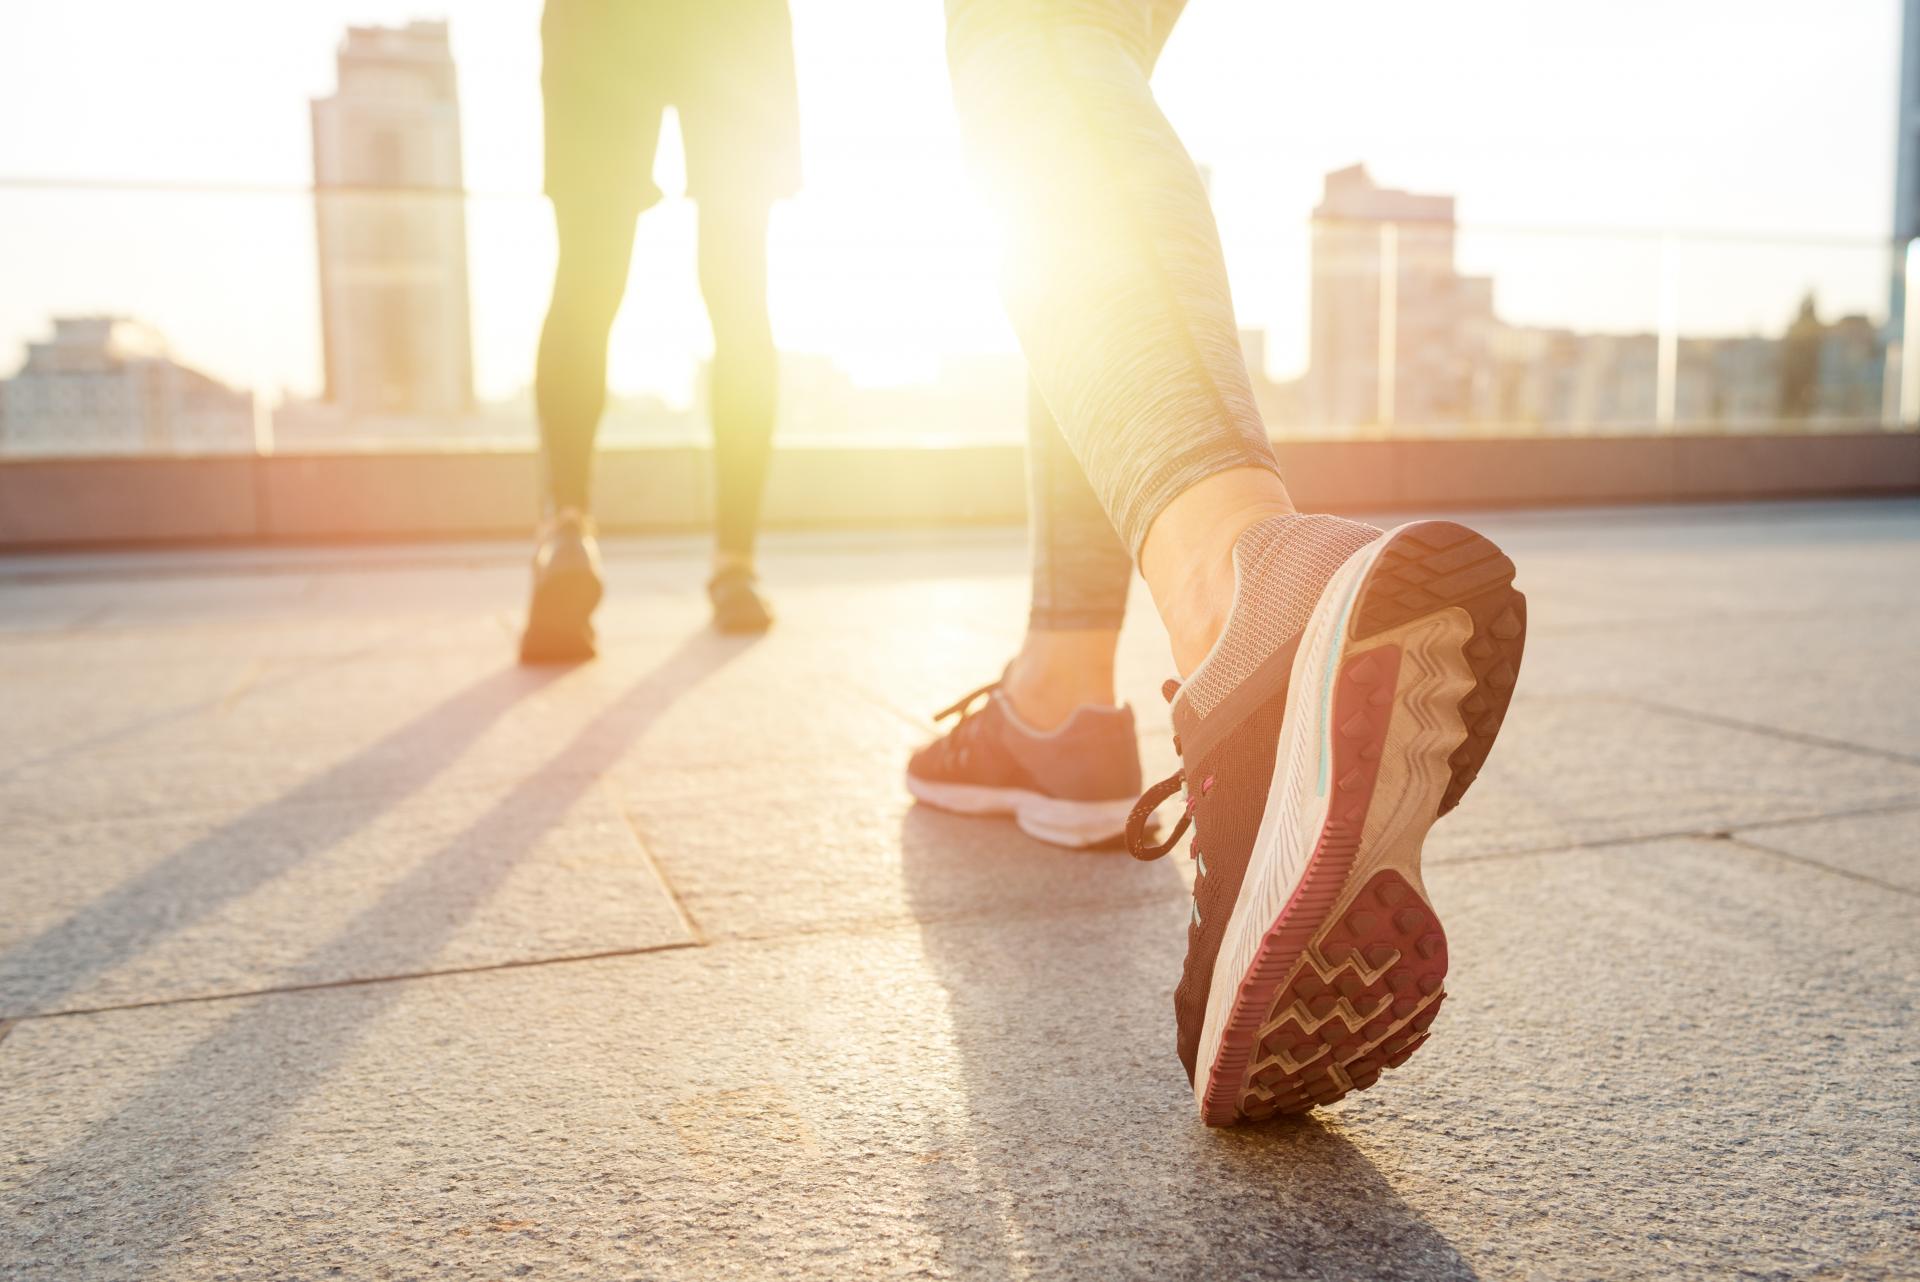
(997, 1098)
(118, 911)
(885, 1041)
(1845, 680)
(1579, 771)
(757, 848)
(1883, 848)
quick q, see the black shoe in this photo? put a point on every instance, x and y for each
(566, 590)
(737, 604)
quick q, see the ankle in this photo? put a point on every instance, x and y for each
(1195, 610)
(1057, 672)
(733, 563)
(1187, 558)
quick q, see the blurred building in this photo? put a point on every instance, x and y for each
(1559, 381)
(1401, 340)
(106, 385)
(1830, 372)
(391, 218)
(1397, 335)
(1278, 402)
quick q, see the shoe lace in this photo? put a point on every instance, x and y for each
(1156, 796)
(958, 741)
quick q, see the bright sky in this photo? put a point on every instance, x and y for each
(1768, 118)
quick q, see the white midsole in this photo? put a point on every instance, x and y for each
(1423, 731)
(1054, 820)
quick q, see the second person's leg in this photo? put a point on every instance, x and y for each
(570, 379)
(739, 116)
(742, 394)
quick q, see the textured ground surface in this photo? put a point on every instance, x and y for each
(331, 944)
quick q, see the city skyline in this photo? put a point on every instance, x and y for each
(885, 261)
(1402, 340)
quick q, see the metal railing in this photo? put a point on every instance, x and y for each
(285, 317)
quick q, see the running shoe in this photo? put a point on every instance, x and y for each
(1073, 786)
(738, 606)
(566, 591)
(1312, 771)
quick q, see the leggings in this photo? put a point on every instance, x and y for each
(1114, 278)
(1081, 569)
(570, 384)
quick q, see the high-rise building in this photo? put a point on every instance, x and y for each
(1398, 336)
(392, 225)
(106, 385)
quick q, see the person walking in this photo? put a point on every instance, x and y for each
(1339, 686)
(610, 69)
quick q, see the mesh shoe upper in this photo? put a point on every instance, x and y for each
(1094, 756)
(1227, 720)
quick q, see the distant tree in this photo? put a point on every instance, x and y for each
(1800, 362)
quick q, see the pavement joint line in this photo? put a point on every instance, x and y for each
(1719, 833)
(240, 687)
(284, 559)
(250, 569)
(895, 924)
(357, 981)
(1734, 723)
(878, 926)
(1804, 861)
(74, 627)
(295, 671)
(887, 705)
(297, 668)
(1644, 623)
(667, 888)
(889, 925)
(1800, 821)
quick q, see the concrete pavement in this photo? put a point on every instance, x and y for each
(333, 944)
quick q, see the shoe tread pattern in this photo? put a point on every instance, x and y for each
(1434, 565)
(1363, 988)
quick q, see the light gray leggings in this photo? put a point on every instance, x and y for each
(1114, 277)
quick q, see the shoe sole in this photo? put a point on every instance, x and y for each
(1333, 964)
(560, 618)
(1054, 820)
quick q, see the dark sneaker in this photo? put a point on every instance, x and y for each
(1069, 787)
(1312, 773)
(566, 591)
(737, 604)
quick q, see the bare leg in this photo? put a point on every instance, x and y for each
(1187, 559)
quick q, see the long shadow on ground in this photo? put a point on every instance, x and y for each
(39, 974)
(138, 1184)
(1081, 1153)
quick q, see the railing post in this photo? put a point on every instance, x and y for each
(1666, 386)
(1389, 335)
(1909, 348)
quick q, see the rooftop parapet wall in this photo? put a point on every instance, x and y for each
(69, 502)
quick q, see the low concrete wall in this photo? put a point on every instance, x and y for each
(463, 494)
